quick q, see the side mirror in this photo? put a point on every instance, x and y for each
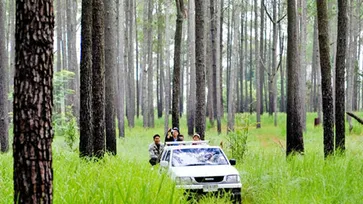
(164, 163)
(232, 161)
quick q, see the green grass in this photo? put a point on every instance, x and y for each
(267, 175)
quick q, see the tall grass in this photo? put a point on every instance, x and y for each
(267, 175)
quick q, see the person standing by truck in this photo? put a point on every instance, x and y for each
(155, 150)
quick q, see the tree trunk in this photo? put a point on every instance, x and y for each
(177, 62)
(200, 67)
(261, 55)
(98, 78)
(192, 82)
(328, 114)
(130, 67)
(110, 73)
(167, 67)
(85, 120)
(350, 72)
(218, 69)
(120, 82)
(340, 76)
(257, 69)
(4, 135)
(232, 81)
(150, 66)
(72, 55)
(33, 102)
(303, 43)
(294, 129)
(160, 59)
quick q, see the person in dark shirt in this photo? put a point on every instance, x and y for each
(173, 135)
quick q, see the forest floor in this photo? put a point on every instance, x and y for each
(267, 175)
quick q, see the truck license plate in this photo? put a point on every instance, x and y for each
(210, 188)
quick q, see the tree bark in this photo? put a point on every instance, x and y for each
(160, 59)
(340, 76)
(177, 62)
(150, 66)
(232, 81)
(200, 67)
(98, 78)
(323, 27)
(4, 123)
(120, 93)
(73, 99)
(294, 130)
(192, 81)
(131, 68)
(85, 120)
(110, 74)
(218, 69)
(167, 67)
(257, 69)
(33, 102)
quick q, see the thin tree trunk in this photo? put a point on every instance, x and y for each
(160, 56)
(167, 68)
(177, 62)
(72, 55)
(340, 76)
(200, 67)
(131, 68)
(4, 123)
(192, 81)
(323, 27)
(121, 71)
(258, 69)
(261, 55)
(218, 68)
(150, 66)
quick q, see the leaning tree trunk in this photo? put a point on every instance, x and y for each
(177, 62)
(110, 74)
(294, 129)
(340, 76)
(33, 102)
(327, 93)
(98, 78)
(4, 135)
(200, 67)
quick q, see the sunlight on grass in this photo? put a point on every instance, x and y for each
(267, 175)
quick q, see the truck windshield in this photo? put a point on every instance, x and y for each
(198, 157)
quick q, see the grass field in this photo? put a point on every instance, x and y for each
(267, 175)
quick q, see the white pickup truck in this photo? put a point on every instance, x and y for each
(200, 168)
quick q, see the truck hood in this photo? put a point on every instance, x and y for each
(203, 171)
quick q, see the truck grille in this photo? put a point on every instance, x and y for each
(209, 179)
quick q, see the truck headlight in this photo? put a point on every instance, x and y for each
(232, 179)
(183, 180)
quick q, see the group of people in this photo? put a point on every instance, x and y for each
(156, 148)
